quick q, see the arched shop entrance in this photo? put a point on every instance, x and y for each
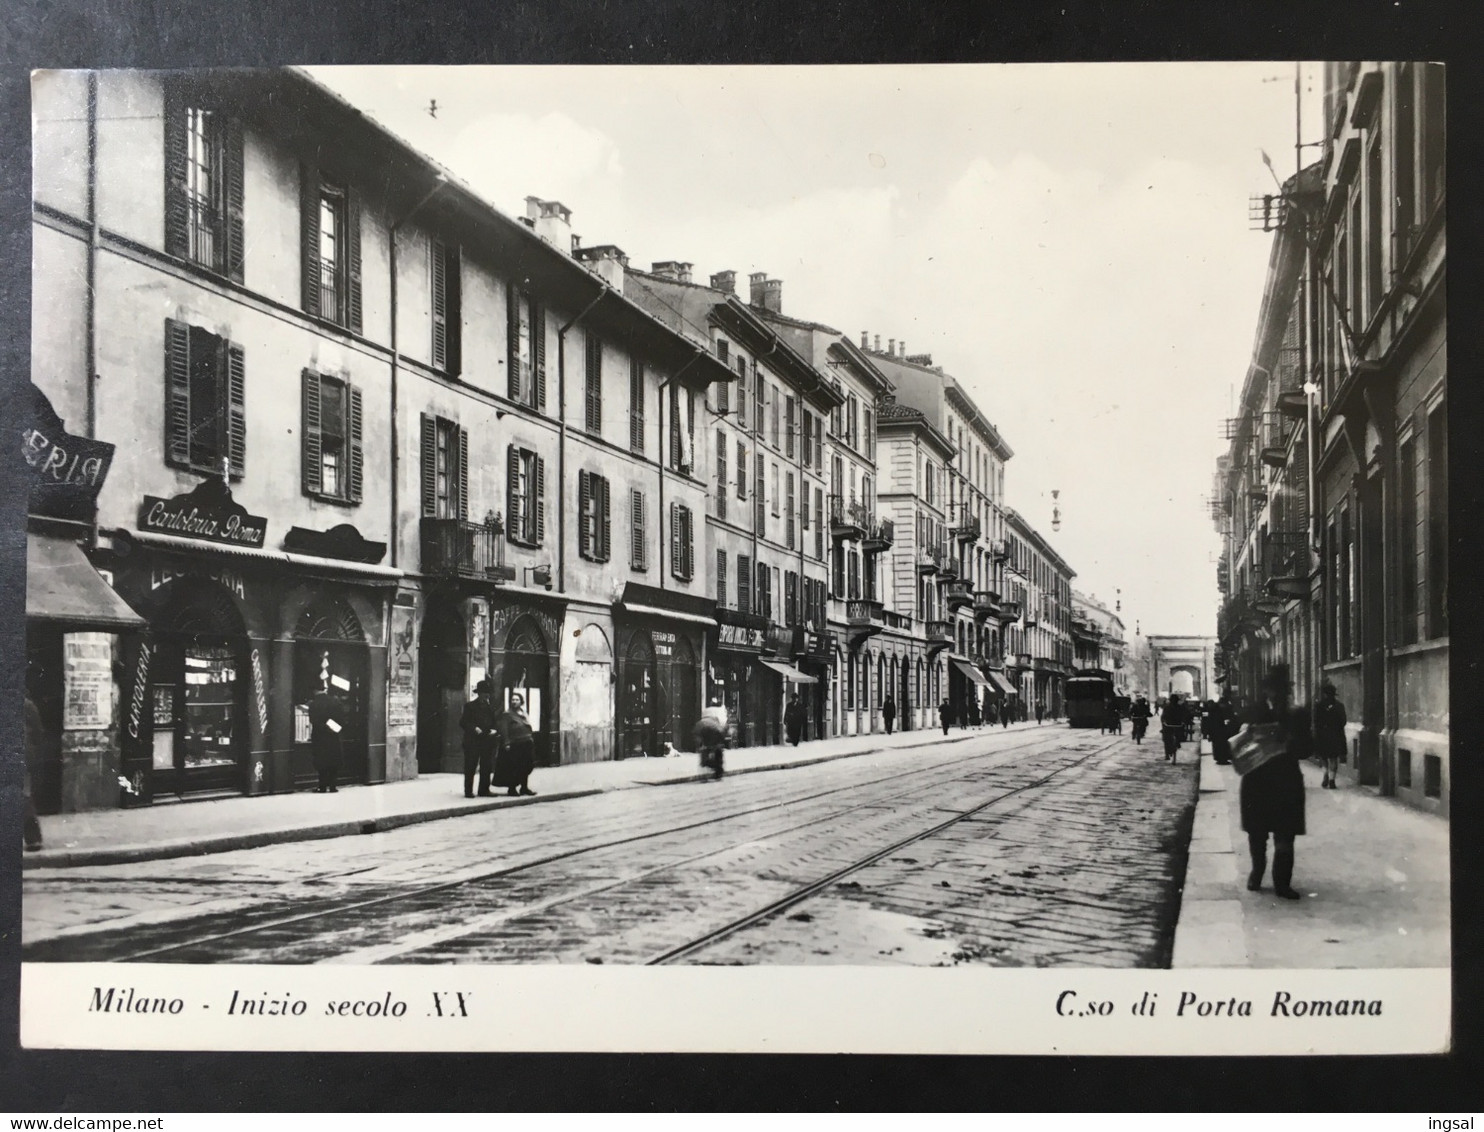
(199, 682)
(527, 673)
(639, 701)
(330, 652)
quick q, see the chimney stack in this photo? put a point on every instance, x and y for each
(552, 221)
(672, 269)
(878, 343)
(606, 261)
(865, 340)
(755, 287)
(725, 281)
(891, 347)
(773, 295)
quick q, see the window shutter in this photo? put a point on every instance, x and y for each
(674, 426)
(788, 421)
(606, 545)
(742, 391)
(438, 262)
(463, 476)
(310, 444)
(237, 410)
(744, 584)
(636, 405)
(636, 534)
(357, 453)
(177, 210)
(514, 514)
(540, 499)
(309, 186)
(675, 539)
(233, 176)
(690, 545)
(177, 392)
(721, 577)
(512, 339)
(584, 496)
(723, 395)
(353, 258)
(429, 465)
(594, 384)
(538, 351)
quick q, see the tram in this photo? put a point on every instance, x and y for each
(1089, 692)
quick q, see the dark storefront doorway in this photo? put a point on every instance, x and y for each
(640, 699)
(442, 662)
(685, 684)
(528, 674)
(330, 651)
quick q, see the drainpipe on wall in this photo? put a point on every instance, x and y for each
(562, 437)
(394, 537)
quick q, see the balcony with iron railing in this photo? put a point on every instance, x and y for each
(1009, 611)
(880, 535)
(939, 636)
(957, 594)
(459, 548)
(865, 617)
(969, 529)
(999, 549)
(848, 521)
(947, 569)
(1286, 563)
(929, 559)
(986, 604)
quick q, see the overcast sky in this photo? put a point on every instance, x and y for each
(1070, 241)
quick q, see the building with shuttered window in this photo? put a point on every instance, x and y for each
(397, 442)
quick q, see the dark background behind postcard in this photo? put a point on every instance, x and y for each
(175, 33)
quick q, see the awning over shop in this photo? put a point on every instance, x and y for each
(674, 614)
(386, 575)
(789, 672)
(1001, 683)
(63, 587)
(972, 673)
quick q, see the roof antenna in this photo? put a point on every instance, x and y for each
(432, 108)
(1055, 510)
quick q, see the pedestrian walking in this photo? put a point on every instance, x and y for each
(975, 719)
(1139, 713)
(1040, 712)
(1006, 712)
(35, 756)
(477, 721)
(1171, 727)
(1329, 732)
(1267, 755)
(793, 720)
(326, 726)
(515, 756)
(711, 735)
(991, 713)
(1223, 724)
(945, 715)
(889, 711)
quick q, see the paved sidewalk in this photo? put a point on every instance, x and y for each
(1373, 873)
(182, 829)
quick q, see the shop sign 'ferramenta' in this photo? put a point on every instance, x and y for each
(208, 512)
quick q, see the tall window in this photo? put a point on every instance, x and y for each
(741, 470)
(333, 462)
(819, 523)
(1405, 158)
(1437, 521)
(1431, 180)
(788, 515)
(1375, 243)
(203, 187)
(774, 395)
(682, 542)
(331, 217)
(636, 405)
(526, 348)
(682, 428)
(721, 578)
(870, 433)
(205, 401)
(788, 426)
(448, 314)
(1346, 582)
(445, 469)
(760, 497)
(594, 528)
(775, 494)
(1408, 513)
(593, 401)
(638, 534)
(741, 391)
(744, 583)
(526, 497)
(722, 483)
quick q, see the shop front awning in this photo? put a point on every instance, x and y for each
(1001, 683)
(972, 673)
(310, 563)
(672, 614)
(63, 588)
(789, 672)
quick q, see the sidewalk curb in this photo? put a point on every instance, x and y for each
(200, 847)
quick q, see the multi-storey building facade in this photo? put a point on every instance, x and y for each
(767, 540)
(1041, 642)
(391, 432)
(1370, 388)
(1097, 639)
(968, 551)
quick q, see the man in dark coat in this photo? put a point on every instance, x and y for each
(945, 715)
(326, 728)
(793, 720)
(889, 711)
(1040, 712)
(478, 723)
(516, 756)
(1329, 732)
(1272, 794)
(1172, 726)
(1140, 712)
(1222, 720)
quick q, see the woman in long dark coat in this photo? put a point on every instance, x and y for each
(1272, 795)
(516, 757)
(324, 740)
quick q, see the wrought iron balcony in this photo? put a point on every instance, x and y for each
(848, 521)
(929, 559)
(986, 603)
(458, 548)
(939, 636)
(957, 595)
(1009, 611)
(947, 569)
(969, 529)
(1285, 563)
(879, 536)
(865, 618)
(999, 549)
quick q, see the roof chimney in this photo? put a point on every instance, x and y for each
(755, 288)
(672, 269)
(865, 340)
(607, 262)
(552, 221)
(878, 343)
(725, 281)
(891, 347)
(773, 295)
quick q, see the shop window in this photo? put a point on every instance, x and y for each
(330, 216)
(445, 469)
(526, 492)
(203, 187)
(593, 401)
(526, 349)
(447, 303)
(638, 532)
(1432, 776)
(636, 405)
(332, 458)
(1404, 768)
(682, 542)
(205, 390)
(594, 528)
(1437, 521)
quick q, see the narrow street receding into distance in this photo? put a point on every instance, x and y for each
(1024, 848)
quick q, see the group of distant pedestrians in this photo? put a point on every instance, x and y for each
(499, 746)
(1001, 713)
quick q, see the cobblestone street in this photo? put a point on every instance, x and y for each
(1040, 847)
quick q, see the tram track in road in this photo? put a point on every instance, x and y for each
(227, 936)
